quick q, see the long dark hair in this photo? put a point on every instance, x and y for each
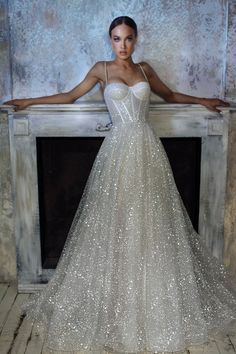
(126, 20)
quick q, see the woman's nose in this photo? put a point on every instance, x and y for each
(123, 44)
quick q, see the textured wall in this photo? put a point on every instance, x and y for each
(5, 76)
(230, 210)
(231, 53)
(54, 43)
(7, 239)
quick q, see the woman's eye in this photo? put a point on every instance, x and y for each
(116, 39)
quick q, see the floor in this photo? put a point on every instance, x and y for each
(17, 336)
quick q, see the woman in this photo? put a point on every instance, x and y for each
(123, 34)
(134, 276)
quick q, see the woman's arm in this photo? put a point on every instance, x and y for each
(92, 77)
(168, 95)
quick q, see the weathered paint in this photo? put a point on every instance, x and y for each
(55, 43)
(5, 76)
(231, 53)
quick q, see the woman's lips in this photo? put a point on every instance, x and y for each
(123, 52)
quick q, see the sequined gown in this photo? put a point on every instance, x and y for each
(134, 276)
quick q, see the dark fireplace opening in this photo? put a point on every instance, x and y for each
(64, 164)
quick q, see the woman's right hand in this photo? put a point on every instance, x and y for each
(19, 103)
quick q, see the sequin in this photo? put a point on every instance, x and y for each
(134, 276)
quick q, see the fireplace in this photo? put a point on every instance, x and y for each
(198, 137)
(63, 166)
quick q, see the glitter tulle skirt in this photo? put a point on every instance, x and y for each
(133, 276)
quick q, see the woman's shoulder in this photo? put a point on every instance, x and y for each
(145, 65)
(149, 71)
(102, 63)
(97, 69)
(98, 64)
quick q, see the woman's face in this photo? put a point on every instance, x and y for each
(123, 41)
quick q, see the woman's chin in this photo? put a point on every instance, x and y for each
(123, 56)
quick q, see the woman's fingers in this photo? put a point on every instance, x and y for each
(9, 102)
(213, 103)
(224, 103)
(18, 103)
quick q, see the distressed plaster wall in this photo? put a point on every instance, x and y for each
(5, 72)
(231, 53)
(53, 44)
(7, 241)
(230, 211)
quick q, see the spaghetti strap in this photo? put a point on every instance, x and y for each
(143, 72)
(105, 63)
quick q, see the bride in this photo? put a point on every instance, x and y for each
(133, 276)
(123, 34)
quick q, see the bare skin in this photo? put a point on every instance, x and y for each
(122, 69)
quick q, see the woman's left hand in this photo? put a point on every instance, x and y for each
(212, 103)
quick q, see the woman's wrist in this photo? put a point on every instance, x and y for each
(30, 101)
(201, 100)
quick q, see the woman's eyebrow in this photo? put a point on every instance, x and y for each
(129, 35)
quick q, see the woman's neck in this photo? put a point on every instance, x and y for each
(125, 63)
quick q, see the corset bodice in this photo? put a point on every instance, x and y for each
(127, 104)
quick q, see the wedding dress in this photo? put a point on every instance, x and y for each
(134, 276)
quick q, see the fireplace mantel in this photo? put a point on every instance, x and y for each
(92, 119)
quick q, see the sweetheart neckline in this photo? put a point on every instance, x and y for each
(122, 83)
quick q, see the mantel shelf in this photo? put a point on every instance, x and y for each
(100, 106)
